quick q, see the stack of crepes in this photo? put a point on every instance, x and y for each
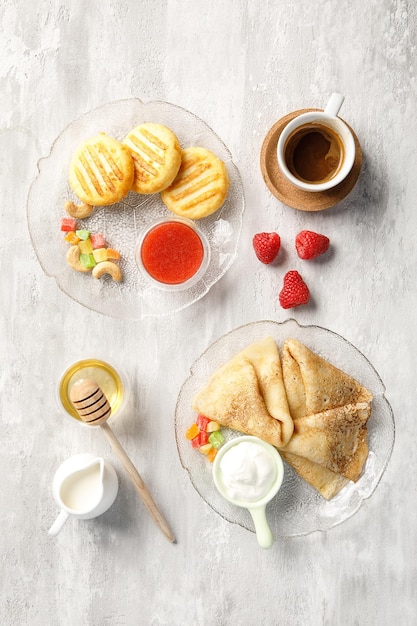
(313, 412)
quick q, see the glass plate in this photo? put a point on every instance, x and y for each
(121, 223)
(298, 509)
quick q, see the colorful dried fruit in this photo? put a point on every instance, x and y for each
(97, 239)
(202, 422)
(113, 254)
(68, 223)
(87, 260)
(211, 455)
(100, 254)
(85, 246)
(192, 431)
(205, 436)
(71, 237)
(216, 439)
(83, 234)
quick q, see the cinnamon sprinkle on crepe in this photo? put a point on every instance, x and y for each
(247, 394)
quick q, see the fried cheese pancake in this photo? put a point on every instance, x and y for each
(247, 394)
(156, 153)
(101, 171)
(200, 187)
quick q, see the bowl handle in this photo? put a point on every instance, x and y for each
(263, 532)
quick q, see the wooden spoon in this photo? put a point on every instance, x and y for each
(94, 409)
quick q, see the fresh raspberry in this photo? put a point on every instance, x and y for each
(294, 291)
(310, 244)
(266, 246)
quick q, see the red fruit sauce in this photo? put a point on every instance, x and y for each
(172, 252)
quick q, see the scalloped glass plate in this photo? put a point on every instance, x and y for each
(297, 509)
(121, 223)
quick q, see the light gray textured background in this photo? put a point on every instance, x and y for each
(239, 65)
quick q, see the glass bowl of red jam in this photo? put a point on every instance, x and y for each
(173, 254)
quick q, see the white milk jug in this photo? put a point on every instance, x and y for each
(84, 487)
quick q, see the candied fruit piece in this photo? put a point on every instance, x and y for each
(97, 239)
(216, 439)
(202, 421)
(212, 426)
(195, 442)
(85, 246)
(203, 437)
(192, 432)
(71, 237)
(87, 260)
(83, 234)
(113, 254)
(206, 448)
(200, 440)
(100, 254)
(68, 223)
(211, 454)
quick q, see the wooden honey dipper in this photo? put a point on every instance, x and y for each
(94, 409)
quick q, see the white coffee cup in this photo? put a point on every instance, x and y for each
(316, 150)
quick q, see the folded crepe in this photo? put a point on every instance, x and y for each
(313, 384)
(327, 483)
(335, 439)
(330, 410)
(247, 394)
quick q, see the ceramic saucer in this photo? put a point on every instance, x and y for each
(290, 195)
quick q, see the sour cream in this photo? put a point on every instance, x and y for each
(247, 472)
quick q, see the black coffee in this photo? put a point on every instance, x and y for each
(314, 153)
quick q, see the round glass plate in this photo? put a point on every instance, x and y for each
(297, 509)
(121, 223)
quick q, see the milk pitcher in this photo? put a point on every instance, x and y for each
(84, 486)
